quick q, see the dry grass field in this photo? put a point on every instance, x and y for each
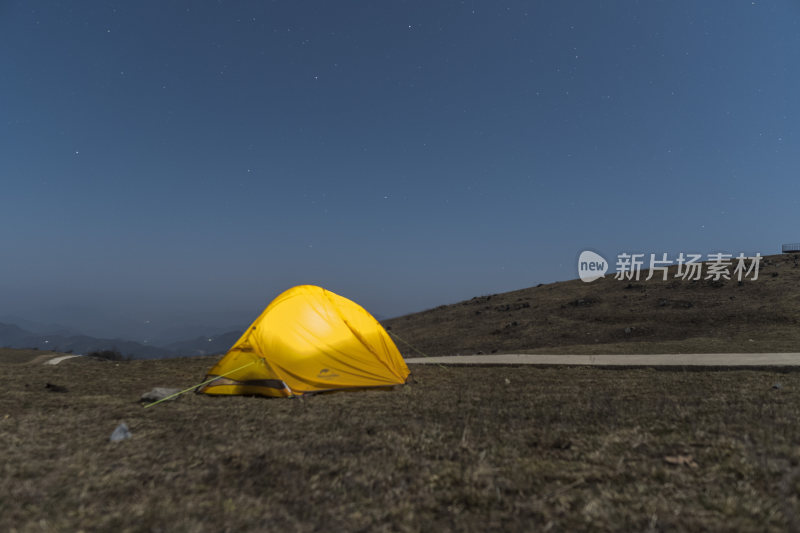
(466, 449)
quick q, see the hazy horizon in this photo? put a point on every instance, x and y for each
(184, 163)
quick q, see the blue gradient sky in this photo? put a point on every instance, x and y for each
(187, 161)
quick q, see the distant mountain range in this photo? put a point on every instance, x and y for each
(205, 345)
(62, 340)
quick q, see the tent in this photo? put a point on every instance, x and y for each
(309, 340)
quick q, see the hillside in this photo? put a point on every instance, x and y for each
(613, 316)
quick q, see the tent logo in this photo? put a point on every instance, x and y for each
(591, 266)
(326, 373)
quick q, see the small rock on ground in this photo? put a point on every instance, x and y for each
(159, 393)
(120, 433)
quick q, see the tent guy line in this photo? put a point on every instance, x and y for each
(193, 387)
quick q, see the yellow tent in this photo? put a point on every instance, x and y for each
(309, 340)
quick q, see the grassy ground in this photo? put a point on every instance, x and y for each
(471, 449)
(613, 316)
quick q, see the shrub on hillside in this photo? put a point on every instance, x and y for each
(111, 355)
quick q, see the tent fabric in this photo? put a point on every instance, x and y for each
(309, 340)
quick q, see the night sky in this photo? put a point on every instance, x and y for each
(184, 162)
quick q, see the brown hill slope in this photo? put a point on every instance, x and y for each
(613, 316)
(24, 355)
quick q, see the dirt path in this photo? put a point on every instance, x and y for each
(705, 359)
(41, 358)
(56, 360)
